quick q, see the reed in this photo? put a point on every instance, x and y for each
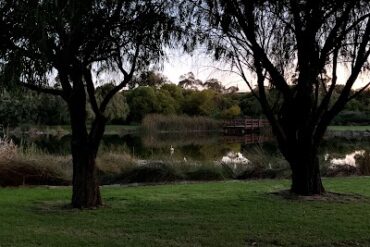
(174, 123)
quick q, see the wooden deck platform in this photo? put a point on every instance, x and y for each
(243, 125)
(251, 138)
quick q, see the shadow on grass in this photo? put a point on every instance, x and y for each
(326, 197)
(61, 207)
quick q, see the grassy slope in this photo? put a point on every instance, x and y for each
(209, 214)
(349, 128)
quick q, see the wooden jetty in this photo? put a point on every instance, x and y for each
(242, 126)
(250, 138)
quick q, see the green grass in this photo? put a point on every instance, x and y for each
(349, 128)
(209, 214)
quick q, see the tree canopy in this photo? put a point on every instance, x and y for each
(68, 48)
(296, 47)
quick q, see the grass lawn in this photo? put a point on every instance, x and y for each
(349, 128)
(208, 214)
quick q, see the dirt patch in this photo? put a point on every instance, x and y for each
(58, 207)
(346, 243)
(326, 197)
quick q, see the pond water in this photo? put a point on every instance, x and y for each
(204, 147)
(195, 146)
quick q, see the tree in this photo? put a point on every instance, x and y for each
(215, 85)
(176, 93)
(188, 81)
(167, 105)
(231, 113)
(81, 42)
(297, 48)
(117, 109)
(142, 101)
(149, 78)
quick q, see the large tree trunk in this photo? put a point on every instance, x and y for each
(306, 177)
(86, 193)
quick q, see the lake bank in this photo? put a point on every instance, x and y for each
(45, 159)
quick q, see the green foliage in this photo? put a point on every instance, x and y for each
(149, 78)
(352, 118)
(166, 103)
(26, 107)
(142, 101)
(117, 109)
(231, 112)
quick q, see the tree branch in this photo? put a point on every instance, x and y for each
(260, 55)
(359, 92)
(40, 89)
(127, 77)
(91, 91)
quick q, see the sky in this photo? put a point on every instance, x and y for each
(205, 68)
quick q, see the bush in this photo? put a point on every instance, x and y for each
(21, 172)
(206, 173)
(8, 149)
(150, 173)
(352, 118)
(23, 168)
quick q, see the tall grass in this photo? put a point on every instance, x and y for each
(20, 166)
(28, 165)
(173, 123)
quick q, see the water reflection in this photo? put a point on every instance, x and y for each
(348, 160)
(195, 146)
(199, 147)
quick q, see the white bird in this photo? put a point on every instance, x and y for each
(172, 150)
(326, 157)
(185, 160)
(270, 166)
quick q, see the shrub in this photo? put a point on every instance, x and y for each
(8, 149)
(28, 168)
(151, 173)
(205, 173)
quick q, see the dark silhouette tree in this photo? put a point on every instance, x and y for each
(297, 48)
(188, 81)
(76, 44)
(215, 85)
(149, 78)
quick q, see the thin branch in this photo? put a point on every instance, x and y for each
(127, 78)
(91, 91)
(359, 92)
(331, 40)
(40, 89)
(259, 54)
(241, 70)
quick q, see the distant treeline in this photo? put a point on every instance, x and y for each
(26, 107)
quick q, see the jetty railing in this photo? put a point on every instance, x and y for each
(246, 123)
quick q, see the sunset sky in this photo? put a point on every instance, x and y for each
(205, 68)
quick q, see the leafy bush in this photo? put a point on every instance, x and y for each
(352, 118)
